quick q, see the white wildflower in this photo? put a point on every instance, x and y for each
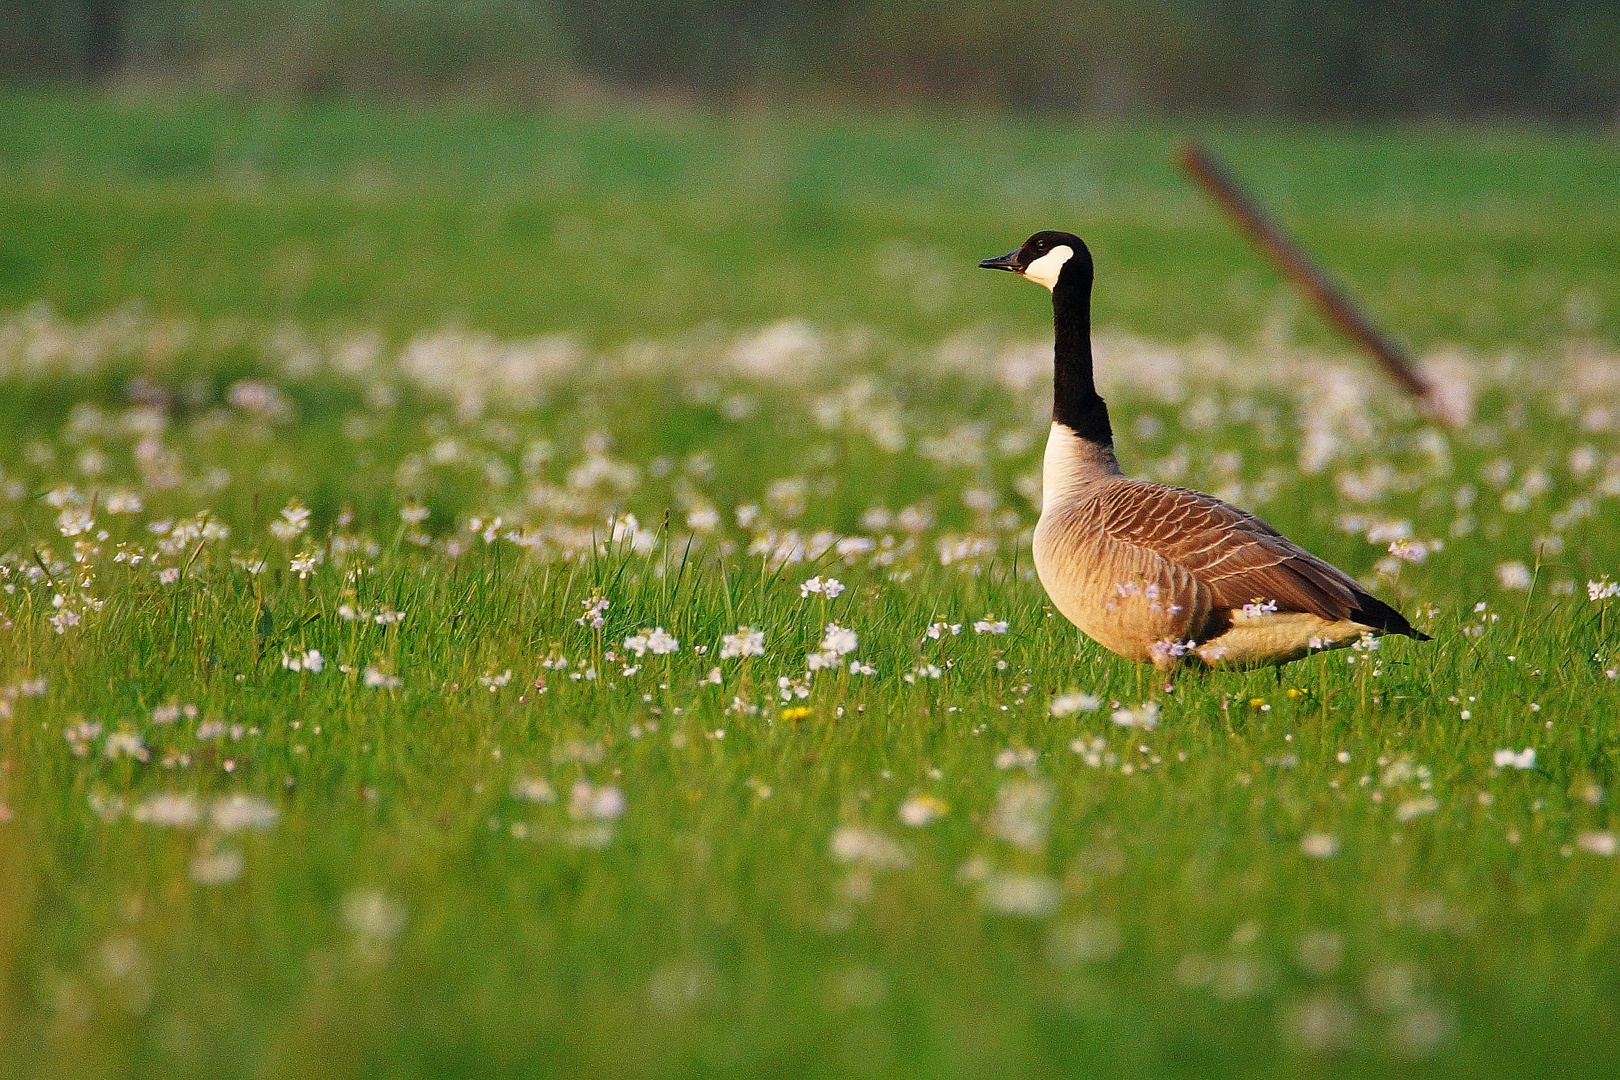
(217, 866)
(1597, 843)
(1014, 893)
(73, 522)
(236, 812)
(380, 680)
(1319, 845)
(125, 743)
(990, 625)
(830, 588)
(588, 802)
(372, 915)
(920, 810)
(1023, 813)
(533, 789)
(1069, 704)
(1508, 759)
(838, 640)
(595, 612)
(1602, 590)
(1412, 808)
(1513, 576)
(170, 809)
(293, 521)
(1144, 716)
(868, 847)
(1256, 608)
(1414, 551)
(745, 642)
(309, 660)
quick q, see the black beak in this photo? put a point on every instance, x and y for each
(1008, 261)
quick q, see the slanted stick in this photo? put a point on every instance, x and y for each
(1292, 260)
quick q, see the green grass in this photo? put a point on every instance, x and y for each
(417, 907)
(625, 226)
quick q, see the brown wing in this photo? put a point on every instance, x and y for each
(1240, 558)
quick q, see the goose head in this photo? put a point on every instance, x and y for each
(1048, 257)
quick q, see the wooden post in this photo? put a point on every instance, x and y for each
(1329, 297)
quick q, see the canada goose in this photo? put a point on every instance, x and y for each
(1163, 574)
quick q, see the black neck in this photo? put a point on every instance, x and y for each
(1075, 403)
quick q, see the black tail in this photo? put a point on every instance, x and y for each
(1373, 612)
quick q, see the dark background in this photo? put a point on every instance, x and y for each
(1555, 60)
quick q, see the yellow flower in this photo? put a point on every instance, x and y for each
(798, 712)
(1256, 702)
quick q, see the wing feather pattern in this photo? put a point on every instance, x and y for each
(1237, 556)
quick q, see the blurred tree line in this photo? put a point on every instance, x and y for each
(1553, 59)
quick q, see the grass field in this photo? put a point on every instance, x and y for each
(325, 434)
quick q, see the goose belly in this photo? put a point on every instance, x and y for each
(1129, 605)
(1256, 641)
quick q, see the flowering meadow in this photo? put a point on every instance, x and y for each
(410, 694)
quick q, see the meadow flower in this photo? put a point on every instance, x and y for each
(1016, 893)
(169, 713)
(1090, 940)
(236, 812)
(168, 575)
(170, 809)
(380, 680)
(830, 588)
(1414, 551)
(125, 743)
(74, 522)
(588, 802)
(990, 625)
(595, 612)
(309, 660)
(1069, 704)
(216, 866)
(744, 643)
(939, 629)
(1319, 845)
(1022, 814)
(1597, 843)
(1144, 716)
(494, 682)
(293, 521)
(373, 915)
(80, 735)
(839, 640)
(923, 671)
(1507, 759)
(1016, 757)
(1412, 808)
(304, 563)
(1513, 576)
(1603, 589)
(533, 789)
(920, 810)
(1256, 608)
(867, 847)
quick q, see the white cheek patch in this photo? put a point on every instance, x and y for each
(1047, 268)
